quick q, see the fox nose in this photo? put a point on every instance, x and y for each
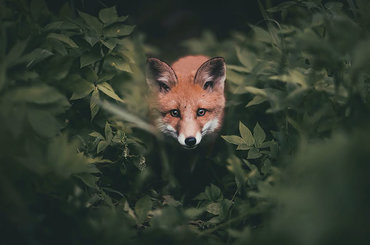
(190, 141)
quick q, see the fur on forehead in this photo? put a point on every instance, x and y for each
(180, 97)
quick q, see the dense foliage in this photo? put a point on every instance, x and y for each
(81, 164)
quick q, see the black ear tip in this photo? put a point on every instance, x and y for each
(151, 60)
(218, 59)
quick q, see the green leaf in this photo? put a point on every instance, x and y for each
(256, 100)
(259, 135)
(88, 179)
(246, 134)
(119, 63)
(91, 38)
(213, 193)
(243, 147)
(234, 139)
(253, 153)
(39, 94)
(118, 30)
(81, 88)
(94, 103)
(108, 15)
(36, 56)
(214, 208)
(92, 22)
(107, 89)
(2, 75)
(193, 213)
(15, 52)
(247, 60)
(170, 201)
(44, 123)
(89, 58)
(254, 175)
(102, 146)
(111, 43)
(96, 135)
(266, 167)
(63, 38)
(108, 132)
(142, 207)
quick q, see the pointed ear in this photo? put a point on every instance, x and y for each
(160, 76)
(211, 75)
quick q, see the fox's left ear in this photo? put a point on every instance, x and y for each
(211, 75)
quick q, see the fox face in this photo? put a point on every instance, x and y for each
(188, 96)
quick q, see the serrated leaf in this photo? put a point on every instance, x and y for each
(92, 22)
(81, 88)
(142, 207)
(102, 146)
(234, 139)
(108, 15)
(259, 135)
(246, 134)
(107, 89)
(108, 132)
(63, 38)
(89, 58)
(94, 103)
(118, 30)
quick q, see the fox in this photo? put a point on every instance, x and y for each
(188, 97)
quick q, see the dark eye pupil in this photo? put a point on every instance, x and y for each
(174, 113)
(201, 112)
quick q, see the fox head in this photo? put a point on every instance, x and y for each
(189, 97)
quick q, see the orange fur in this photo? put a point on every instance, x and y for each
(187, 97)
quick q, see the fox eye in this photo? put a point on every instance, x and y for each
(201, 112)
(175, 113)
(208, 84)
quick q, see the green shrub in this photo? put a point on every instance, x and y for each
(80, 164)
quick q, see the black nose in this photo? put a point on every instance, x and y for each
(190, 141)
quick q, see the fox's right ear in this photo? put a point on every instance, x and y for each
(159, 76)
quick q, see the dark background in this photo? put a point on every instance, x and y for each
(166, 23)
